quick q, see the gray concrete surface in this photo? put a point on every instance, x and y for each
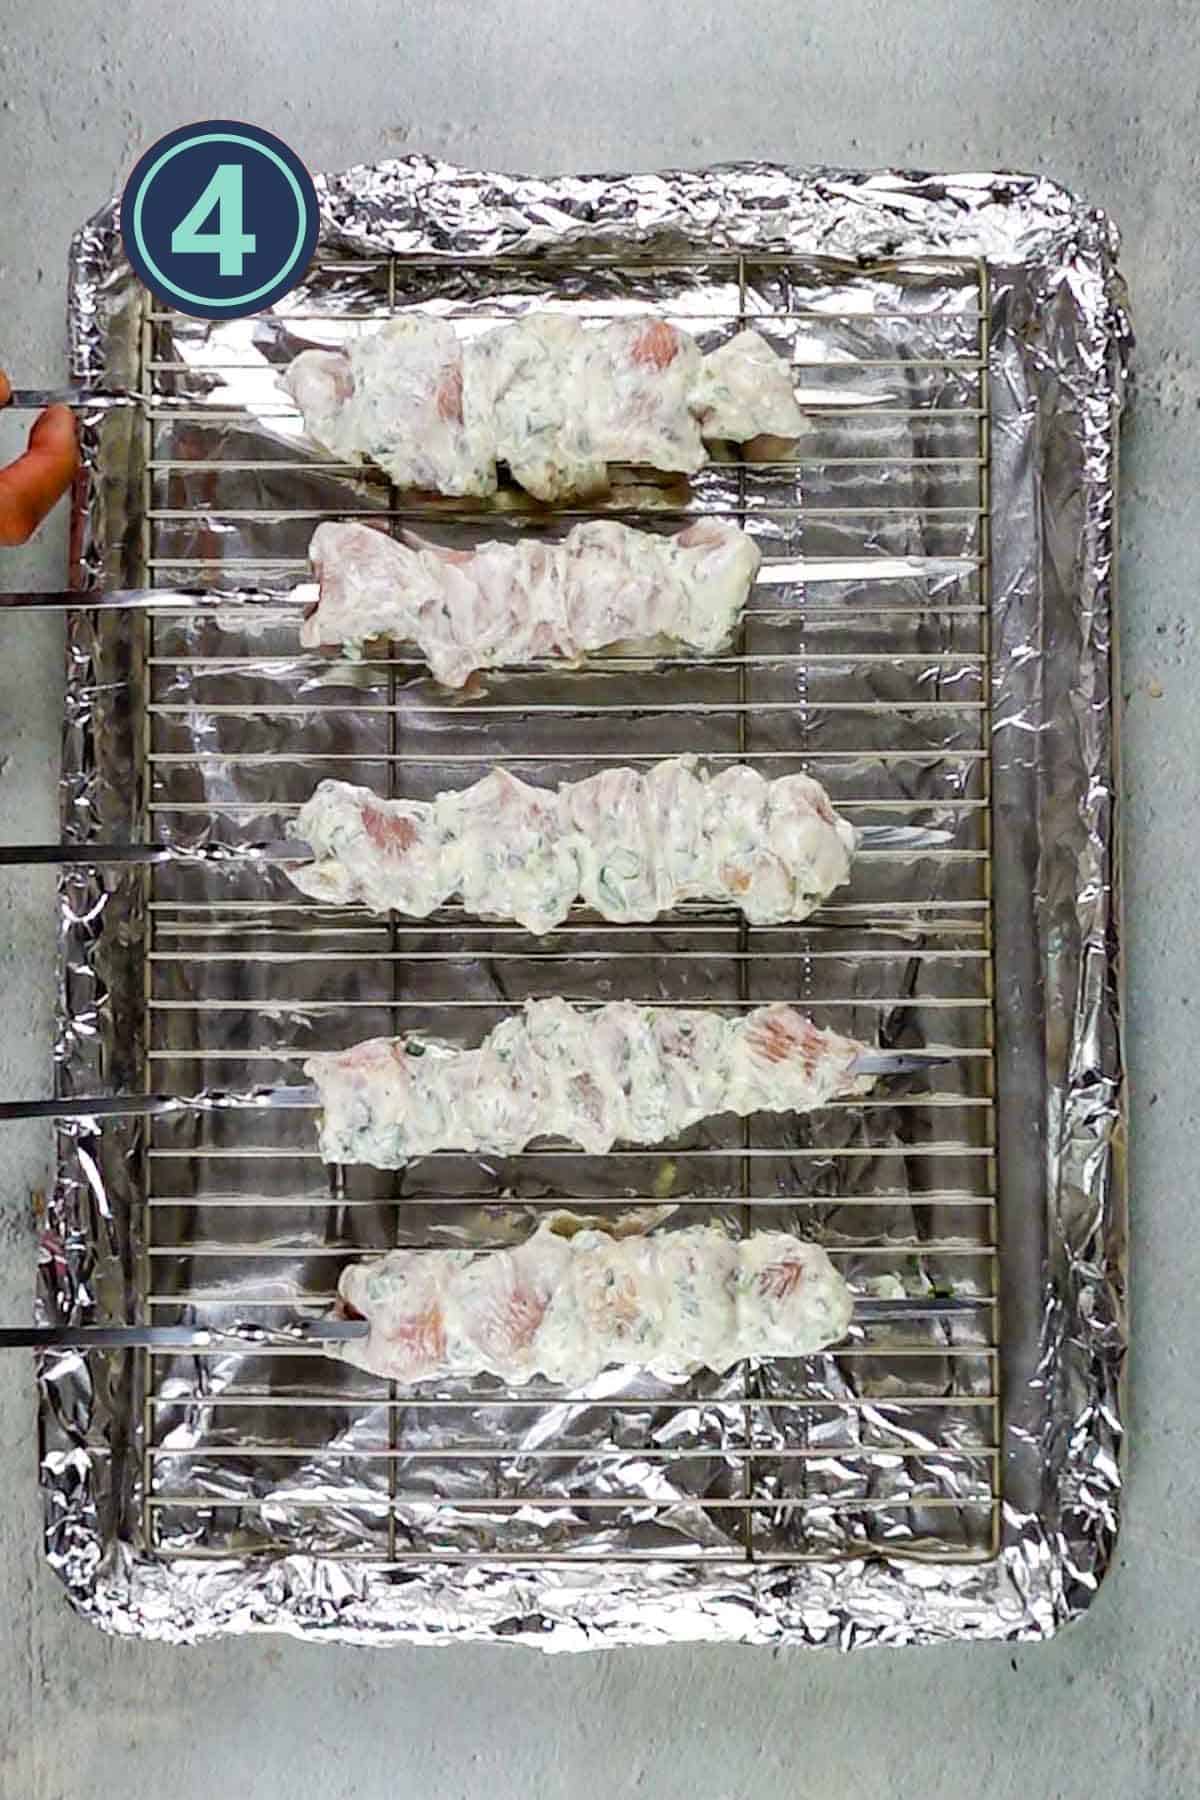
(1101, 96)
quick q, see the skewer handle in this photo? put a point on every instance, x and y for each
(153, 1106)
(99, 855)
(122, 599)
(34, 399)
(174, 1337)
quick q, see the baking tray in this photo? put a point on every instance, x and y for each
(931, 637)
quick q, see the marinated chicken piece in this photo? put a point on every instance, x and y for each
(622, 1072)
(630, 845)
(611, 818)
(567, 1307)
(776, 848)
(537, 396)
(503, 841)
(744, 391)
(398, 862)
(603, 584)
(399, 394)
(321, 382)
(634, 588)
(554, 399)
(640, 377)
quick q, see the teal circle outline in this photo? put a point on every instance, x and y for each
(220, 137)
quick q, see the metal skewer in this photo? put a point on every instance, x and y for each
(308, 1098)
(896, 1312)
(333, 1331)
(283, 851)
(902, 837)
(901, 1062)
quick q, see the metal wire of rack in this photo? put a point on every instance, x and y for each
(864, 657)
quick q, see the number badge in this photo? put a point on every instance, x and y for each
(219, 219)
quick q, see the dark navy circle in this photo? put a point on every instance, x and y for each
(219, 219)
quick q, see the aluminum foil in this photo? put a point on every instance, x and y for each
(1059, 343)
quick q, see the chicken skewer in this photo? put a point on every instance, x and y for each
(629, 845)
(362, 839)
(565, 1307)
(603, 584)
(621, 1072)
(552, 398)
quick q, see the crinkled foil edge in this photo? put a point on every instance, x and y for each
(1053, 265)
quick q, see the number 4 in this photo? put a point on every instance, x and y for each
(229, 242)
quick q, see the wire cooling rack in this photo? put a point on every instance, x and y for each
(864, 659)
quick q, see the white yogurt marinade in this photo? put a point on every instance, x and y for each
(618, 1073)
(629, 844)
(554, 399)
(567, 1306)
(603, 584)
